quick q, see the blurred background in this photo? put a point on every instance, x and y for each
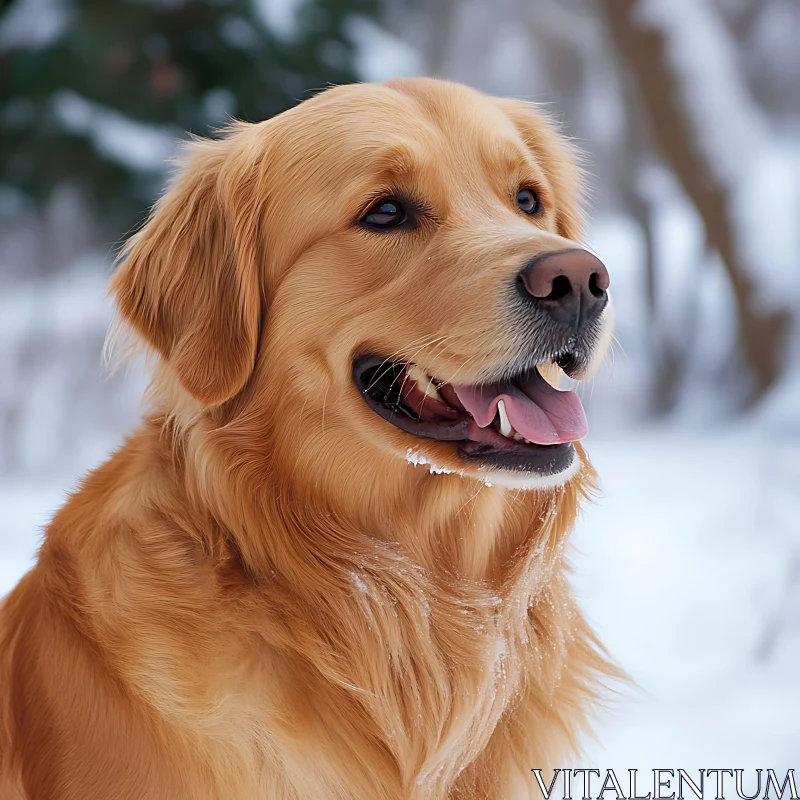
(689, 112)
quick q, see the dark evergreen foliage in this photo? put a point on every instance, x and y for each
(182, 64)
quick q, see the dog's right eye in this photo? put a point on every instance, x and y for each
(385, 213)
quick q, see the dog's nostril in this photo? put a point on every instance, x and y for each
(594, 285)
(561, 288)
(568, 285)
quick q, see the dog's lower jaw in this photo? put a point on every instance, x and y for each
(528, 483)
(506, 479)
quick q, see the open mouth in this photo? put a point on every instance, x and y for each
(521, 424)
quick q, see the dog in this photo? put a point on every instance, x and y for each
(330, 562)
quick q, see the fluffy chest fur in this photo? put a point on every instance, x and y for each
(413, 655)
(349, 665)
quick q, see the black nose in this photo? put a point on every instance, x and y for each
(570, 285)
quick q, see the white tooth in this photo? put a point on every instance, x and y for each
(424, 383)
(505, 424)
(517, 438)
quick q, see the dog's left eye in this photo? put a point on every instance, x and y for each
(385, 213)
(527, 201)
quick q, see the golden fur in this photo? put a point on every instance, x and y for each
(257, 596)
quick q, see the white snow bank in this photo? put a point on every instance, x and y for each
(688, 569)
(60, 411)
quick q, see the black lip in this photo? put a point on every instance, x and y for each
(543, 460)
(520, 457)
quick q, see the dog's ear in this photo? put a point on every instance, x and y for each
(189, 283)
(559, 159)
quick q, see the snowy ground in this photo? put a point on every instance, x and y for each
(685, 565)
(688, 567)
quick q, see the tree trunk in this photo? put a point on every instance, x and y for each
(644, 51)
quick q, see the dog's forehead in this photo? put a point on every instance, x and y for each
(402, 126)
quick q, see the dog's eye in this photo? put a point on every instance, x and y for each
(385, 213)
(527, 201)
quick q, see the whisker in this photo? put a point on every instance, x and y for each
(397, 354)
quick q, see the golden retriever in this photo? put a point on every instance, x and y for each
(330, 564)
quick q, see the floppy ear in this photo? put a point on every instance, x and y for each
(559, 159)
(188, 282)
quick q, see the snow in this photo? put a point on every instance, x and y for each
(132, 144)
(685, 567)
(379, 54)
(769, 210)
(33, 24)
(415, 458)
(735, 138)
(280, 16)
(60, 412)
(27, 508)
(728, 126)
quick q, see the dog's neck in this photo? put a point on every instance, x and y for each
(448, 524)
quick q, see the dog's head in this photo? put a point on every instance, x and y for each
(383, 274)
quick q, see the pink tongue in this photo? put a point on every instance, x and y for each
(536, 410)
